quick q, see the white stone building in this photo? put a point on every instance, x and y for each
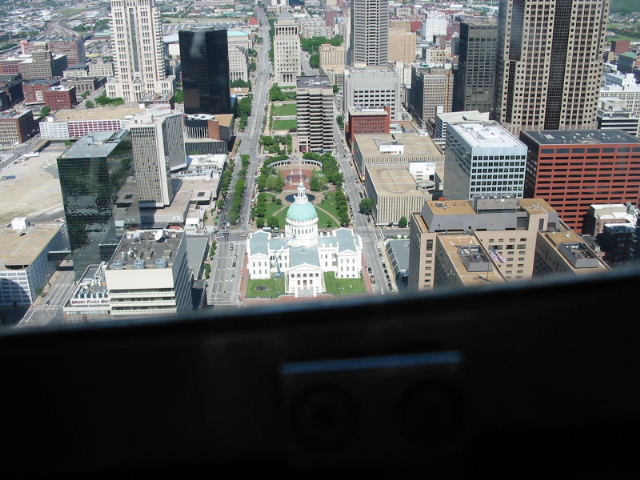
(136, 37)
(286, 50)
(303, 255)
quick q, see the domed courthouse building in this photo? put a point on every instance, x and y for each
(303, 255)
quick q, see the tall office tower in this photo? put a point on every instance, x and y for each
(549, 63)
(314, 100)
(431, 93)
(286, 50)
(204, 54)
(402, 46)
(483, 159)
(158, 148)
(475, 81)
(574, 169)
(136, 36)
(369, 32)
(372, 87)
(92, 171)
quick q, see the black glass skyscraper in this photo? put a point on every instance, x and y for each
(205, 70)
(91, 174)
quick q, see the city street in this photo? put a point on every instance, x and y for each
(227, 265)
(371, 235)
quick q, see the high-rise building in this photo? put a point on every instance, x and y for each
(574, 169)
(314, 100)
(204, 54)
(402, 46)
(492, 240)
(286, 50)
(158, 148)
(92, 171)
(549, 63)
(475, 80)
(372, 87)
(369, 32)
(431, 93)
(483, 159)
(138, 51)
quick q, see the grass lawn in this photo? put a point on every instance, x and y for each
(270, 288)
(286, 109)
(323, 218)
(329, 203)
(343, 286)
(284, 124)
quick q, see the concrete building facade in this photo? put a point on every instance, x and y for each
(394, 192)
(17, 127)
(158, 148)
(136, 42)
(369, 32)
(488, 241)
(314, 101)
(549, 63)
(372, 87)
(431, 93)
(25, 267)
(402, 46)
(286, 50)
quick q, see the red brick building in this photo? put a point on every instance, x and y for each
(17, 127)
(367, 120)
(573, 169)
(34, 90)
(60, 97)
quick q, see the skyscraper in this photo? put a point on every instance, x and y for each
(136, 36)
(204, 54)
(158, 148)
(549, 63)
(92, 171)
(369, 32)
(286, 50)
(475, 80)
(315, 113)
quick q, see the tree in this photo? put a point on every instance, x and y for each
(402, 223)
(44, 111)
(366, 206)
(179, 96)
(260, 223)
(339, 120)
(89, 104)
(314, 60)
(273, 223)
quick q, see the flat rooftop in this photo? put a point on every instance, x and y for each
(586, 137)
(414, 144)
(485, 134)
(20, 248)
(310, 82)
(466, 116)
(473, 266)
(97, 113)
(98, 144)
(156, 248)
(392, 180)
(367, 112)
(451, 207)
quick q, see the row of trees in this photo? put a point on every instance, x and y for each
(238, 191)
(244, 111)
(312, 45)
(342, 206)
(270, 179)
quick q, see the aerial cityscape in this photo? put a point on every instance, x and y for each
(163, 158)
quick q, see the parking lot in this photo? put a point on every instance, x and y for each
(35, 189)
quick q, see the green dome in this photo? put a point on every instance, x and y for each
(301, 210)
